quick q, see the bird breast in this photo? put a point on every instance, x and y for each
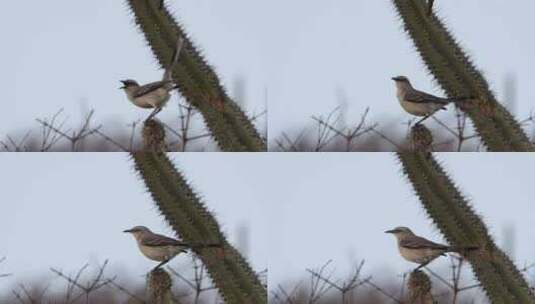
(155, 99)
(420, 256)
(159, 253)
(420, 109)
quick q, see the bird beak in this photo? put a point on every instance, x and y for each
(124, 85)
(395, 78)
(390, 231)
(127, 231)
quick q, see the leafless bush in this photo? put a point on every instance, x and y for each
(193, 286)
(55, 135)
(328, 133)
(323, 288)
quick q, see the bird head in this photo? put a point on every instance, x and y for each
(129, 83)
(137, 230)
(401, 79)
(400, 231)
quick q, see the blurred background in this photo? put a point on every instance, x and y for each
(62, 211)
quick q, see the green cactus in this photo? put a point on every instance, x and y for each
(196, 80)
(153, 136)
(159, 285)
(458, 76)
(462, 227)
(420, 139)
(419, 288)
(190, 219)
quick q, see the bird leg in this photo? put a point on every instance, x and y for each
(422, 265)
(154, 112)
(162, 263)
(422, 120)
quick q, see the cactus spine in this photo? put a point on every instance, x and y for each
(462, 227)
(458, 76)
(188, 216)
(196, 80)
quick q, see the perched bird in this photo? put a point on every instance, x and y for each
(154, 95)
(419, 103)
(157, 247)
(419, 250)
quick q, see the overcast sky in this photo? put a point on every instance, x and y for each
(63, 210)
(71, 54)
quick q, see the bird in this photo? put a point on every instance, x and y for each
(420, 250)
(154, 95)
(157, 247)
(419, 103)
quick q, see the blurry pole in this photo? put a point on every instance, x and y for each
(341, 99)
(509, 242)
(510, 92)
(239, 91)
(242, 239)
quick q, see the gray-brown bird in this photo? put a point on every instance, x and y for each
(154, 95)
(155, 246)
(419, 103)
(420, 250)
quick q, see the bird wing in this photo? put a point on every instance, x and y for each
(156, 240)
(150, 87)
(422, 97)
(416, 242)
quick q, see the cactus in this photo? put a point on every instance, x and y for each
(196, 80)
(159, 285)
(153, 136)
(420, 139)
(419, 288)
(189, 218)
(458, 76)
(462, 227)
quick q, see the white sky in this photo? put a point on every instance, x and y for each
(63, 210)
(71, 54)
(303, 209)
